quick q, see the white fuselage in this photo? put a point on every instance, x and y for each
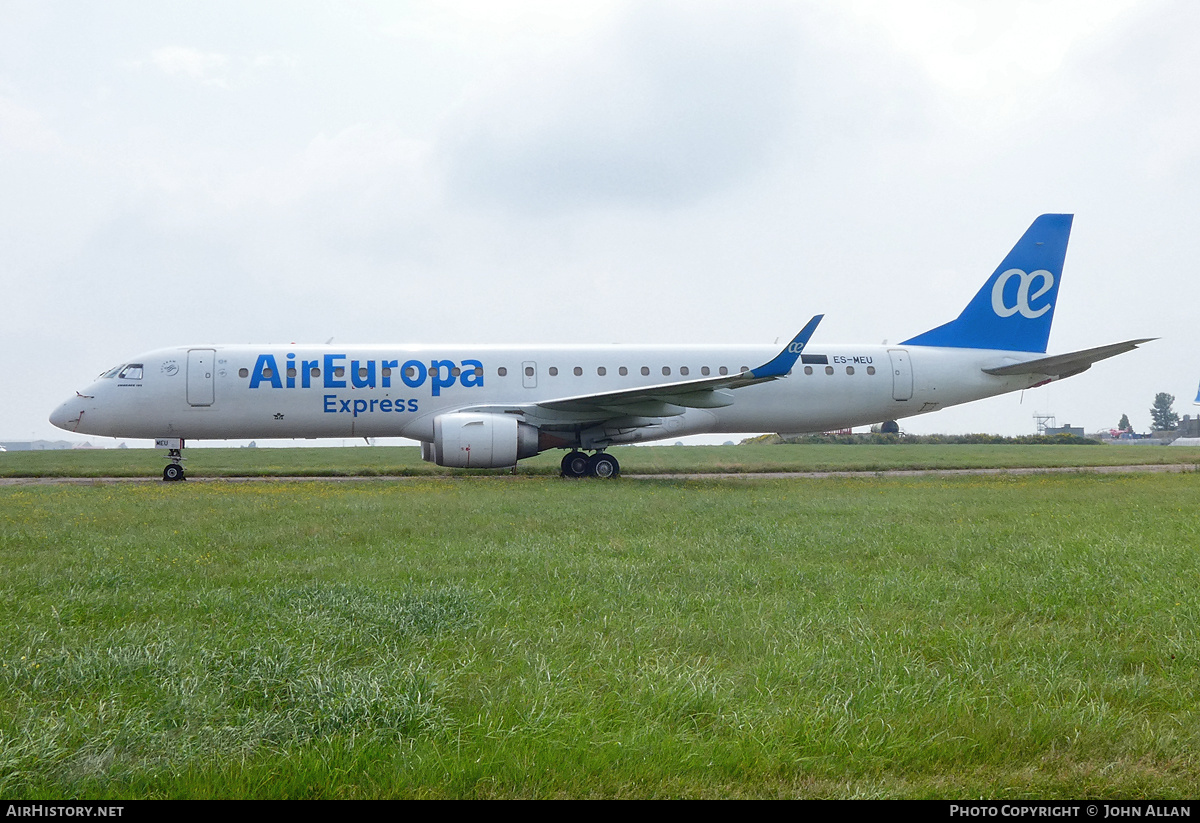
(275, 391)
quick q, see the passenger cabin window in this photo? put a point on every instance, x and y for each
(808, 369)
(529, 371)
(131, 372)
(645, 371)
(623, 371)
(723, 370)
(600, 370)
(683, 370)
(666, 371)
(849, 370)
(553, 370)
(243, 372)
(502, 372)
(704, 370)
(577, 371)
(870, 369)
(829, 369)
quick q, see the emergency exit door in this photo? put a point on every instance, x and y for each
(529, 374)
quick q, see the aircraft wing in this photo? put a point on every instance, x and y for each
(665, 399)
(1065, 365)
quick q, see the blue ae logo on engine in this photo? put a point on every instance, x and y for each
(331, 371)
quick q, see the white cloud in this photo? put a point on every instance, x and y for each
(989, 48)
(664, 107)
(355, 161)
(214, 68)
(207, 67)
(276, 59)
(24, 129)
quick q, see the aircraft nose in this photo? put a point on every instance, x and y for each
(67, 415)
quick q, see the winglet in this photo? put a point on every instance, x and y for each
(784, 361)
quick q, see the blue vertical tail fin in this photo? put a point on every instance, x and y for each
(1015, 307)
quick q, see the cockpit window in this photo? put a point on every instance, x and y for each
(131, 372)
(110, 373)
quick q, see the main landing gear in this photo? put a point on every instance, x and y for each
(578, 464)
(175, 458)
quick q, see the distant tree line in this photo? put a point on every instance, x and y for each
(1162, 415)
(876, 438)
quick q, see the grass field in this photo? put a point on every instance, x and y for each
(1005, 636)
(383, 461)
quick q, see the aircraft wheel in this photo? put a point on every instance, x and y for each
(173, 472)
(603, 466)
(575, 464)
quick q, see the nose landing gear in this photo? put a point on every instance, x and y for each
(578, 464)
(174, 470)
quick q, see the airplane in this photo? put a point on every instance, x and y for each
(489, 406)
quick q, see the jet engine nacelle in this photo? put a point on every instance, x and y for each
(465, 440)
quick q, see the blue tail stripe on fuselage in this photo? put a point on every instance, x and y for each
(1015, 307)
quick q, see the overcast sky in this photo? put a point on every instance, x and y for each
(550, 172)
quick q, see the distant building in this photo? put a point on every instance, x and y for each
(1065, 428)
(40, 445)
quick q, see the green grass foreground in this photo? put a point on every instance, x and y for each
(1011, 637)
(748, 458)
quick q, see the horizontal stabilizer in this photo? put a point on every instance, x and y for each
(1065, 365)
